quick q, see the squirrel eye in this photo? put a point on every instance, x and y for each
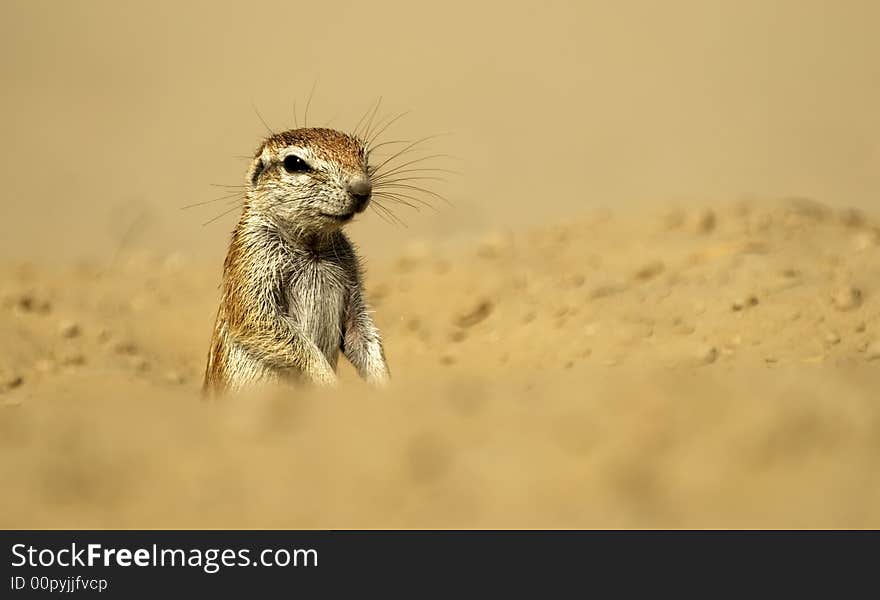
(294, 164)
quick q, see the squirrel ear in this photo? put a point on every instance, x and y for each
(261, 161)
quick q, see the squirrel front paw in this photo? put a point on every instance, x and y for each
(322, 375)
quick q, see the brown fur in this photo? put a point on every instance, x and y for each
(291, 296)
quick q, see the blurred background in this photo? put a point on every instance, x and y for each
(122, 112)
(653, 299)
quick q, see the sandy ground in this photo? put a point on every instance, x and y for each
(595, 333)
(703, 366)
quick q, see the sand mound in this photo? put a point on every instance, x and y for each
(701, 367)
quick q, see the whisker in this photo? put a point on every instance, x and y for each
(413, 147)
(204, 202)
(379, 206)
(230, 186)
(375, 172)
(373, 123)
(369, 122)
(416, 188)
(388, 143)
(376, 135)
(417, 178)
(333, 246)
(221, 215)
(379, 123)
(300, 198)
(309, 103)
(410, 146)
(397, 171)
(398, 199)
(361, 120)
(400, 196)
(381, 216)
(262, 120)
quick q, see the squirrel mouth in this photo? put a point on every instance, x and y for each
(341, 218)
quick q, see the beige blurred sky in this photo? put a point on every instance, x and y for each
(116, 114)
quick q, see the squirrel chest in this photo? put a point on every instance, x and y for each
(317, 295)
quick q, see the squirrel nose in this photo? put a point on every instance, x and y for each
(360, 189)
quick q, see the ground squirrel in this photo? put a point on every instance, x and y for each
(292, 295)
